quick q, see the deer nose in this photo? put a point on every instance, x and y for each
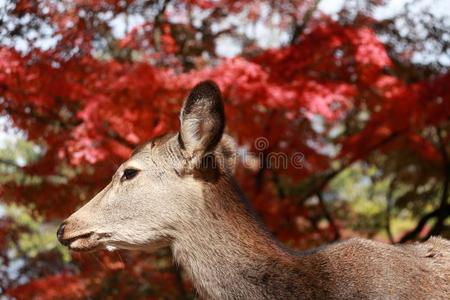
(60, 234)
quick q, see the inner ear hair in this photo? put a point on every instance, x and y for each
(202, 121)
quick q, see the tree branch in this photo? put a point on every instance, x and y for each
(300, 28)
(439, 225)
(443, 211)
(113, 135)
(9, 163)
(422, 222)
(319, 187)
(389, 205)
(328, 216)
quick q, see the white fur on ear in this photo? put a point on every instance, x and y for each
(202, 120)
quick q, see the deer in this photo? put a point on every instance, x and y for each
(179, 191)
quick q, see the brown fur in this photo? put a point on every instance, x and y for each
(184, 196)
(228, 255)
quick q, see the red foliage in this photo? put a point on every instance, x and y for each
(68, 287)
(89, 112)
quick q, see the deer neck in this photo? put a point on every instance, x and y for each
(225, 251)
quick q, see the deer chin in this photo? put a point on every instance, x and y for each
(152, 246)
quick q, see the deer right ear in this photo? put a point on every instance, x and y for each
(202, 121)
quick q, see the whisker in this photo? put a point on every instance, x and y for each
(121, 259)
(99, 261)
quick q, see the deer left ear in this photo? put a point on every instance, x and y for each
(202, 120)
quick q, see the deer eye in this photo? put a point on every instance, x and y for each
(129, 174)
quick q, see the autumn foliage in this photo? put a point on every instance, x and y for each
(337, 90)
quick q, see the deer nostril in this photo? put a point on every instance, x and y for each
(60, 234)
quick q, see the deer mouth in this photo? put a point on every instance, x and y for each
(83, 242)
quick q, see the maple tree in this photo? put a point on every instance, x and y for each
(341, 91)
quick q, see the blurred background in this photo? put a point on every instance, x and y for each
(360, 87)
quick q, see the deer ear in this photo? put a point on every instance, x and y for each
(202, 120)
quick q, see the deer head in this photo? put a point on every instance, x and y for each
(160, 187)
